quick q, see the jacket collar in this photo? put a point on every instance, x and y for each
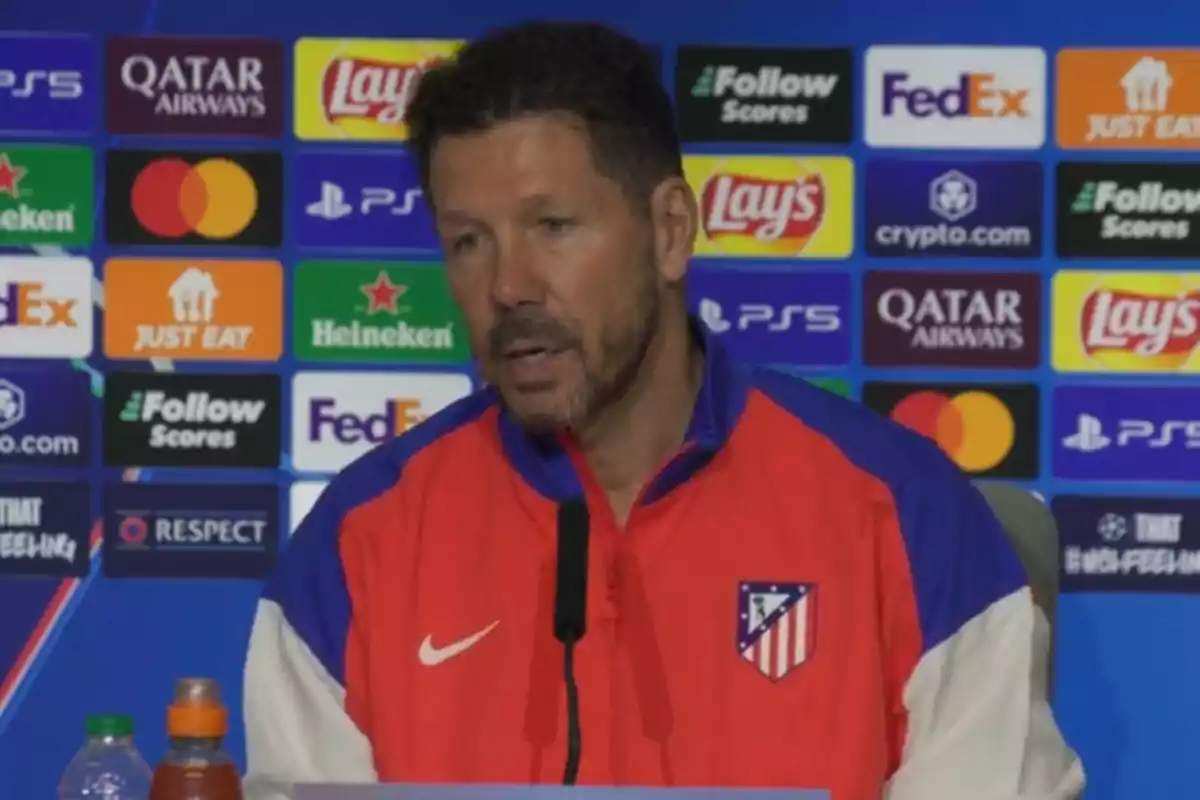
(545, 464)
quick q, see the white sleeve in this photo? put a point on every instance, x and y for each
(979, 721)
(297, 728)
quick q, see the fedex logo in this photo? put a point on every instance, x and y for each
(45, 307)
(339, 416)
(956, 97)
(348, 427)
(27, 304)
(974, 94)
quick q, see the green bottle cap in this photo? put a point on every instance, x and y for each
(109, 725)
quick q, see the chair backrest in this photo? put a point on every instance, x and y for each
(1033, 533)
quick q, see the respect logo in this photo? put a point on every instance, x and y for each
(360, 88)
(773, 206)
(1126, 322)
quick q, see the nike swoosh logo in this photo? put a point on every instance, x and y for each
(431, 656)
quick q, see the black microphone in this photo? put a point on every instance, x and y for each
(570, 614)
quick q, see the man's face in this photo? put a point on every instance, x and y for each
(552, 266)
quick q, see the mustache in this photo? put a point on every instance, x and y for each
(516, 326)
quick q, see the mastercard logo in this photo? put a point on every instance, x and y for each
(215, 198)
(974, 428)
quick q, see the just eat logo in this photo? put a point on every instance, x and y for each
(956, 97)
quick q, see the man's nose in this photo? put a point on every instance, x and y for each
(515, 280)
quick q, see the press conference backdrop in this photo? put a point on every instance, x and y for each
(219, 285)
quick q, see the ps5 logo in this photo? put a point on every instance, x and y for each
(332, 204)
(814, 318)
(60, 84)
(1089, 436)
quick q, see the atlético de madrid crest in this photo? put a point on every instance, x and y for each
(777, 625)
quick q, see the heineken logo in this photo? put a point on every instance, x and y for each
(327, 333)
(382, 294)
(376, 312)
(27, 217)
(45, 195)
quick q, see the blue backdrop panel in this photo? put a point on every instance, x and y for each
(1126, 692)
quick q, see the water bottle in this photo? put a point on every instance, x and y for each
(108, 766)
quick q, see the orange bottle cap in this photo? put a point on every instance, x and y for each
(197, 712)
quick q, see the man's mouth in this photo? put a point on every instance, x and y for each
(530, 350)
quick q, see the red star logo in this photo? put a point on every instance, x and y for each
(382, 294)
(10, 176)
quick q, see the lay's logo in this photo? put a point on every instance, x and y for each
(1126, 322)
(773, 206)
(359, 89)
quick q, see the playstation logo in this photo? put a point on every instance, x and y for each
(711, 315)
(1088, 437)
(332, 204)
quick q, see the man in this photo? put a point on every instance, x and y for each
(785, 589)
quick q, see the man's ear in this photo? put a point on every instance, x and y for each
(676, 218)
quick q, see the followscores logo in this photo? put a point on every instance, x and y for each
(193, 531)
(954, 208)
(45, 307)
(191, 420)
(1127, 433)
(47, 84)
(338, 416)
(1128, 210)
(776, 317)
(956, 97)
(751, 94)
(368, 201)
(45, 418)
(988, 430)
(1146, 544)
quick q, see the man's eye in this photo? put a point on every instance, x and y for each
(461, 244)
(555, 224)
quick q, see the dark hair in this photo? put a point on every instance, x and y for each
(591, 71)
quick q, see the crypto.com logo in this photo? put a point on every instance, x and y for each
(953, 196)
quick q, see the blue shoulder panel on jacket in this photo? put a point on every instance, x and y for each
(308, 582)
(960, 558)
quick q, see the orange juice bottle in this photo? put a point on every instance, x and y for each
(196, 767)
